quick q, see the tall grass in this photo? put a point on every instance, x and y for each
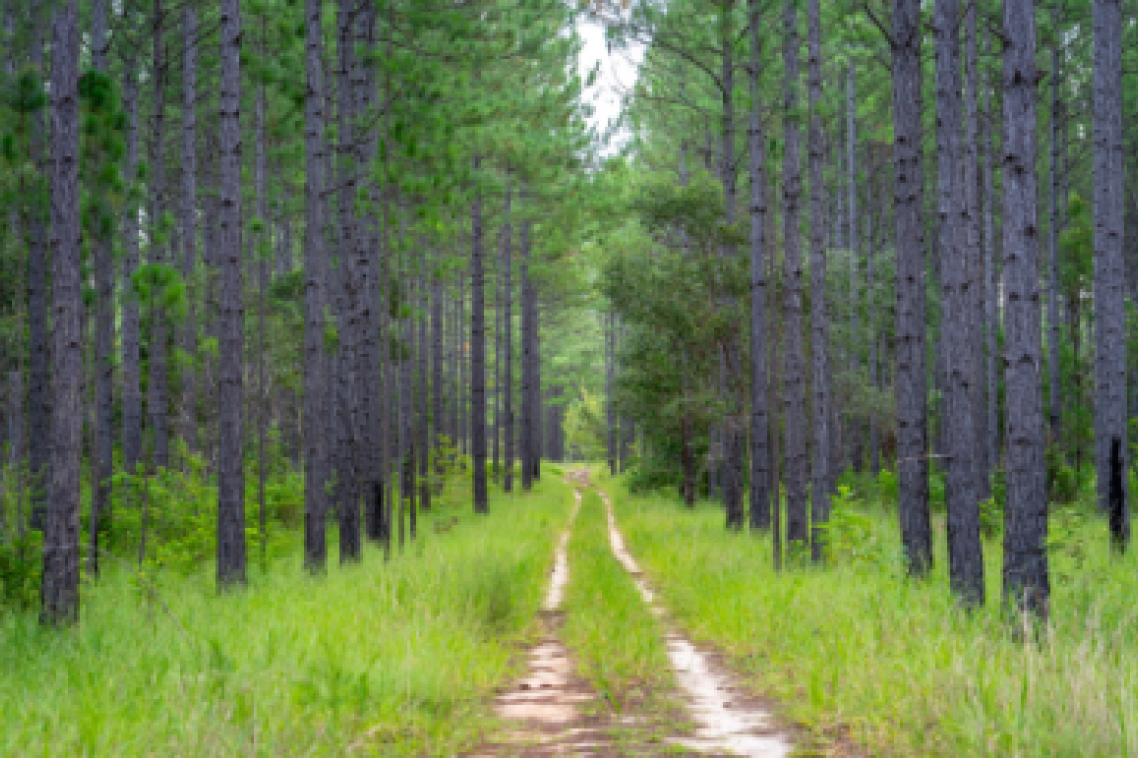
(385, 658)
(858, 647)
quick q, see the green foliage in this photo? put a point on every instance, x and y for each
(21, 563)
(585, 428)
(179, 507)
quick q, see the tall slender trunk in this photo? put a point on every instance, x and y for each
(1026, 582)
(1109, 272)
(60, 587)
(1054, 373)
(438, 400)
(760, 420)
(158, 398)
(797, 519)
(853, 237)
(350, 457)
(189, 225)
(39, 335)
(102, 452)
(819, 318)
(422, 352)
(230, 393)
(315, 297)
(911, 382)
(478, 352)
(733, 436)
(966, 565)
(508, 346)
(973, 250)
(261, 247)
(872, 219)
(991, 278)
(528, 379)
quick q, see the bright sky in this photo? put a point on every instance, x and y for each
(617, 75)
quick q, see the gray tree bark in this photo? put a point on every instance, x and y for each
(991, 278)
(102, 454)
(39, 335)
(230, 393)
(60, 587)
(1025, 516)
(527, 441)
(131, 393)
(797, 520)
(508, 346)
(819, 318)
(854, 362)
(911, 382)
(760, 420)
(1109, 272)
(315, 297)
(189, 222)
(966, 566)
(1055, 406)
(974, 264)
(158, 395)
(478, 352)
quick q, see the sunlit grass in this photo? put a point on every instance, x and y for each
(858, 646)
(385, 658)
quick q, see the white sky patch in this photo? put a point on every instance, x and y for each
(617, 75)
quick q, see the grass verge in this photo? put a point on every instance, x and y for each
(387, 658)
(856, 649)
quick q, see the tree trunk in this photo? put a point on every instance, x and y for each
(508, 347)
(189, 226)
(760, 420)
(911, 382)
(819, 318)
(60, 588)
(421, 430)
(230, 394)
(528, 379)
(974, 262)
(158, 396)
(1109, 269)
(991, 279)
(733, 436)
(39, 335)
(797, 519)
(102, 453)
(1026, 582)
(1054, 375)
(851, 217)
(966, 565)
(315, 289)
(478, 352)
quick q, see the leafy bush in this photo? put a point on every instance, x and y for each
(21, 562)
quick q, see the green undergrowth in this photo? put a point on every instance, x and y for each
(856, 649)
(617, 644)
(383, 658)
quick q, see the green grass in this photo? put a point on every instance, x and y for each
(617, 644)
(380, 658)
(857, 647)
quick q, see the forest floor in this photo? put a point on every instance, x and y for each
(611, 673)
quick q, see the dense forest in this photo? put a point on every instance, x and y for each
(834, 317)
